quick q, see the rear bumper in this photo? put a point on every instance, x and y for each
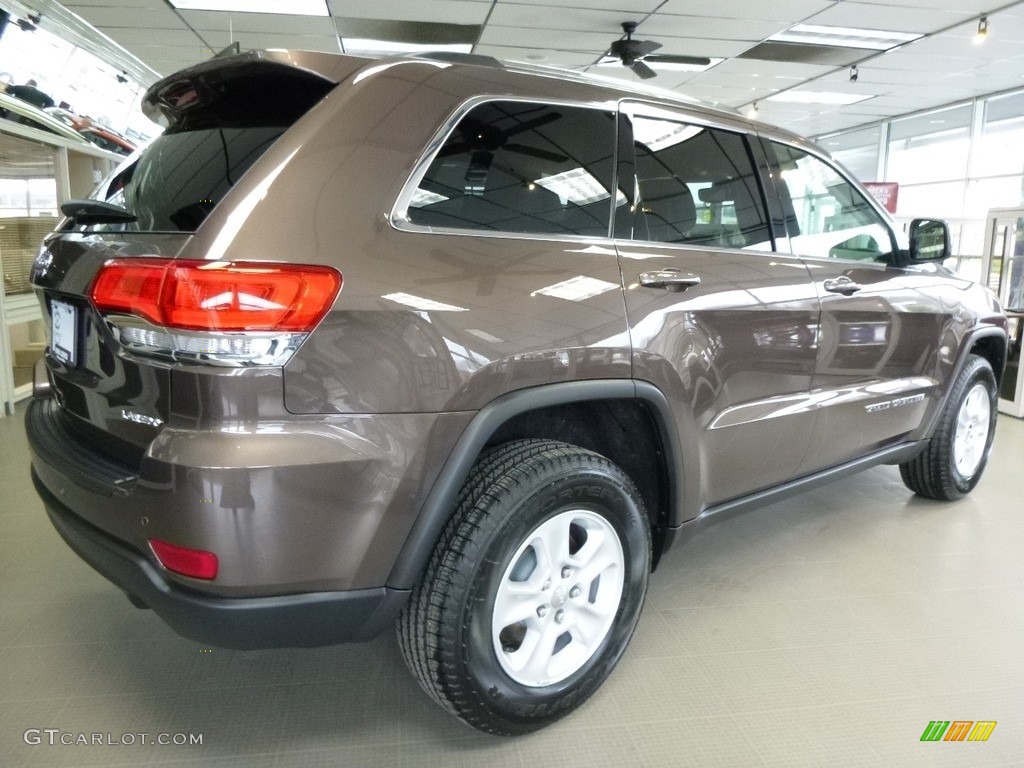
(301, 620)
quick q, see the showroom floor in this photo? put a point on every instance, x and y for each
(828, 630)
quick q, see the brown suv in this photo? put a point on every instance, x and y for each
(470, 346)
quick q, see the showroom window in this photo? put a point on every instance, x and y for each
(522, 167)
(697, 186)
(955, 163)
(826, 215)
(930, 147)
(1001, 149)
(858, 151)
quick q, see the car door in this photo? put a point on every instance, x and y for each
(719, 322)
(881, 324)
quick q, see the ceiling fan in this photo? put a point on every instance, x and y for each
(634, 53)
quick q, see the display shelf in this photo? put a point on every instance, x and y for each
(31, 155)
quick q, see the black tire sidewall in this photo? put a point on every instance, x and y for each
(980, 374)
(598, 492)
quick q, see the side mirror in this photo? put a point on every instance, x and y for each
(929, 240)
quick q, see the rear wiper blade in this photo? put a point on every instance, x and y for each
(95, 212)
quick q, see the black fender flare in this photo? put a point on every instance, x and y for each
(969, 341)
(437, 508)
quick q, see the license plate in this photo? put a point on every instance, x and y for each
(64, 318)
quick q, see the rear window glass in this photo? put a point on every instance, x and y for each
(179, 178)
(221, 118)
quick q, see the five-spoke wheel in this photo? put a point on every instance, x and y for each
(534, 588)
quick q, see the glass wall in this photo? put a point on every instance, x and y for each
(955, 163)
(75, 79)
(858, 151)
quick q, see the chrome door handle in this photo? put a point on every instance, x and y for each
(669, 279)
(843, 285)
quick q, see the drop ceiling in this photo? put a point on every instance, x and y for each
(944, 66)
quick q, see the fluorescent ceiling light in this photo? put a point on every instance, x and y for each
(577, 288)
(845, 37)
(418, 302)
(384, 47)
(577, 186)
(287, 7)
(819, 97)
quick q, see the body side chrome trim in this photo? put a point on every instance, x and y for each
(787, 405)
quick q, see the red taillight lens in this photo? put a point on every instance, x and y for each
(217, 295)
(196, 563)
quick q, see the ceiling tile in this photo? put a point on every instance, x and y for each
(633, 7)
(542, 17)
(597, 42)
(963, 6)
(155, 37)
(790, 11)
(665, 25)
(268, 23)
(72, 5)
(549, 57)
(891, 17)
(160, 17)
(441, 11)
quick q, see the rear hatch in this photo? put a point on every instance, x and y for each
(116, 336)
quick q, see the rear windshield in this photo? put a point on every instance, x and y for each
(221, 117)
(179, 178)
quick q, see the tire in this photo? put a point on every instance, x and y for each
(533, 590)
(957, 453)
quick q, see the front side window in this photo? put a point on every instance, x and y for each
(825, 214)
(525, 168)
(695, 186)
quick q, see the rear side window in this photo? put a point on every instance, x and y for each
(696, 186)
(523, 168)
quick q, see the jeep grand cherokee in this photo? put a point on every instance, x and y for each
(466, 347)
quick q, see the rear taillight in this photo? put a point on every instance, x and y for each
(218, 311)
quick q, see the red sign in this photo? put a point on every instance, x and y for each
(885, 192)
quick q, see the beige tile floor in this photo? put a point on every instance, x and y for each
(827, 630)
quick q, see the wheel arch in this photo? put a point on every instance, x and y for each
(991, 344)
(988, 342)
(575, 412)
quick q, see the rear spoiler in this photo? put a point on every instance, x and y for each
(232, 90)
